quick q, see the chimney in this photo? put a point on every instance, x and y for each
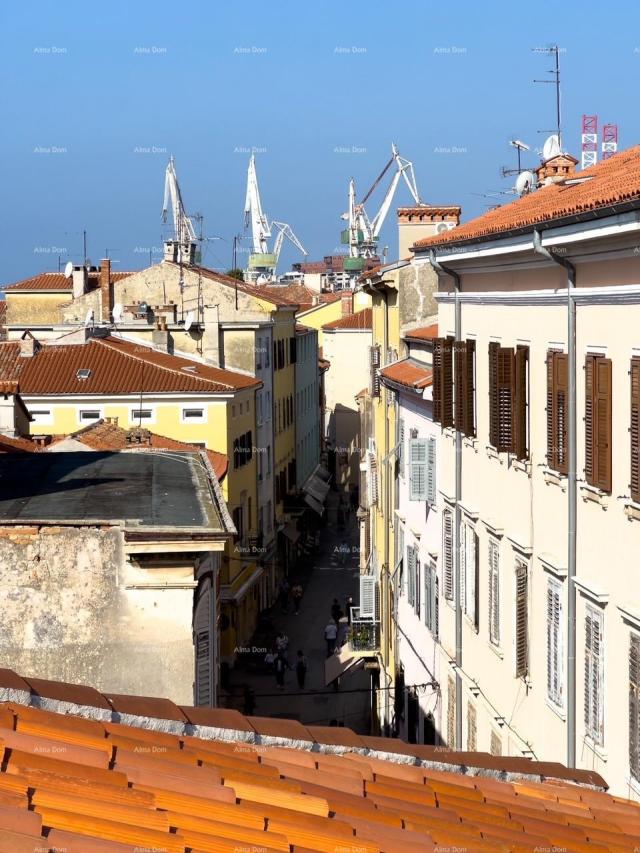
(346, 301)
(160, 336)
(425, 220)
(556, 169)
(106, 300)
(79, 279)
(28, 345)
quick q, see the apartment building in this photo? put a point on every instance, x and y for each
(536, 390)
(307, 405)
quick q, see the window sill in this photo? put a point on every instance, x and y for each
(632, 510)
(471, 624)
(449, 432)
(594, 495)
(596, 748)
(523, 465)
(471, 443)
(496, 650)
(553, 478)
(559, 712)
(492, 453)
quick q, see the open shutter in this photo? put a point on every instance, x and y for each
(464, 530)
(368, 596)
(520, 414)
(418, 469)
(561, 381)
(471, 566)
(588, 669)
(411, 574)
(602, 423)
(417, 585)
(447, 383)
(552, 439)
(436, 606)
(522, 620)
(494, 593)
(437, 380)
(506, 389)
(400, 457)
(374, 365)
(493, 393)
(459, 369)
(428, 597)
(451, 713)
(204, 646)
(447, 548)
(431, 469)
(634, 706)
(589, 382)
(634, 429)
(471, 728)
(469, 389)
(554, 643)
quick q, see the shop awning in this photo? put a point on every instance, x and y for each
(227, 593)
(321, 471)
(316, 487)
(291, 532)
(338, 665)
(314, 504)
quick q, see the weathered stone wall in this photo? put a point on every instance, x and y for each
(418, 307)
(35, 309)
(68, 615)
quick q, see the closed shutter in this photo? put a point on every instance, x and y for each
(374, 366)
(368, 596)
(561, 382)
(437, 380)
(463, 566)
(428, 596)
(451, 713)
(593, 675)
(552, 439)
(204, 646)
(554, 643)
(634, 429)
(496, 744)
(494, 593)
(634, 706)
(472, 740)
(447, 383)
(506, 393)
(431, 469)
(417, 585)
(436, 605)
(447, 550)
(493, 393)
(602, 425)
(411, 573)
(521, 414)
(401, 454)
(522, 620)
(418, 469)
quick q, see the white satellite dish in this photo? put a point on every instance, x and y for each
(117, 312)
(525, 182)
(89, 318)
(551, 147)
(188, 321)
(68, 269)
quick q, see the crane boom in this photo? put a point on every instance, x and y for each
(183, 230)
(253, 214)
(285, 230)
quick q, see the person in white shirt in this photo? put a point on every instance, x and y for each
(330, 634)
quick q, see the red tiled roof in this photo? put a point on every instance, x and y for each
(598, 188)
(117, 367)
(16, 445)
(408, 372)
(261, 291)
(146, 773)
(58, 281)
(424, 333)
(359, 321)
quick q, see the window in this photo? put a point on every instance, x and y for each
(597, 422)
(259, 353)
(554, 643)
(260, 466)
(268, 411)
(411, 574)
(447, 550)
(192, 415)
(494, 592)
(89, 415)
(634, 430)
(260, 521)
(431, 599)
(374, 367)
(443, 381)
(509, 399)
(292, 350)
(557, 391)
(268, 460)
(522, 619)
(593, 675)
(399, 567)
(422, 469)
(634, 706)
(41, 416)
(233, 411)
(472, 736)
(237, 517)
(138, 415)
(465, 387)
(259, 413)
(267, 349)
(242, 449)
(400, 443)
(276, 365)
(451, 713)
(469, 572)
(496, 744)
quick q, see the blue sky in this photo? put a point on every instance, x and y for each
(84, 86)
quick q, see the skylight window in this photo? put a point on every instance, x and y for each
(83, 373)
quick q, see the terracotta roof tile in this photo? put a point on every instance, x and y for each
(423, 333)
(223, 718)
(597, 189)
(145, 706)
(409, 373)
(58, 281)
(360, 321)
(269, 294)
(76, 694)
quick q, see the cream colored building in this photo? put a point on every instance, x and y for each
(537, 383)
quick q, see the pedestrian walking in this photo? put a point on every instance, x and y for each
(301, 669)
(335, 610)
(281, 665)
(249, 704)
(282, 643)
(270, 659)
(296, 596)
(330, 634)
(348, 604)
(344, 552)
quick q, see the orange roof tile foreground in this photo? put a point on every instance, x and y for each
(360, 321)
(116, 367)
(58, 281)
(408, 372)
(424, 333)
(85, 771)
(610, 182)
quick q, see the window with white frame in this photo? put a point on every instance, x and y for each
(193, 415)
(594, 674)
(86, 416)
(431, 599)
(494, 591)
(522, 618)
(412, 557)
(634, 706)
(555, 668)
(141, 415)
(469, 571)
(447, 552)
(41, 416)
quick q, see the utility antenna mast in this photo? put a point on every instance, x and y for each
(589, 141)
(609, 140)
(555, 52)
(182, 248)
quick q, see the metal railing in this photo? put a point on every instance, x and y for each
(364, 635)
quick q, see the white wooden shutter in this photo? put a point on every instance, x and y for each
(522, 619)
(634, 706)
(494, 593)
(447, 550)
(436, 604)
(411, 574)
(471, 561)
(554, 643)
(431, 469)
(204, 646)
(471, 728)
(401, 454)
(368, 596)
(451, 714)
(463, 567)
(417, 586)
(418, 469)
(593, 673)
(428, 596)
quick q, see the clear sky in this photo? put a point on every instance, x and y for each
(95, 97)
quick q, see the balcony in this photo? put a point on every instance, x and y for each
(364, 634)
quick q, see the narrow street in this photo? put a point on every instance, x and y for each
(322, 579)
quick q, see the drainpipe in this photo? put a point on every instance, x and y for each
(443, 270)
(387, 502)
(572, 493)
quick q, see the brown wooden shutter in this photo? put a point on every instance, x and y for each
(634, 706)
(561, 387)
(602, 424)
(437, 380)
(460, 370)
(469, 390)
(520, 414)
(522, 619)
(493, 393)
(589, 387)
(506, 393)
(552, 440)
(447, 383)
(635, 429)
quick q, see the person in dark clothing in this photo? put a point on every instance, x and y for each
(249, 705)
(335, 611)
(301, 669)
(296, 596)
(280, 666)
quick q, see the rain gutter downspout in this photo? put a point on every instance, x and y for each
(441, 269)
(572, 494)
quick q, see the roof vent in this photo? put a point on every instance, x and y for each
(83, 373)
(190, 369)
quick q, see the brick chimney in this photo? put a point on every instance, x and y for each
(106, 298)
(346, 301)
(556, 169)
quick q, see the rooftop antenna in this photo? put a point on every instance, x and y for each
(555, 51)
(520, 147)
(84, 244)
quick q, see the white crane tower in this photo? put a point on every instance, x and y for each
(362, 233)
(262, 262)
(182, 248)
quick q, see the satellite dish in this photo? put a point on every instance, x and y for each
(89, 318)
(525, 182)
(188, 321)
(68, 269)
(551, 147)
(117, 312)
(143, 307)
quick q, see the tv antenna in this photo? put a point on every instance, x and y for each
(554, 51)
(520, 147)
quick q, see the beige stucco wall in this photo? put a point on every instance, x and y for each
(32, 308)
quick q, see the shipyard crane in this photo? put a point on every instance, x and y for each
(262, 262)
(362, 233)
(183, 231)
